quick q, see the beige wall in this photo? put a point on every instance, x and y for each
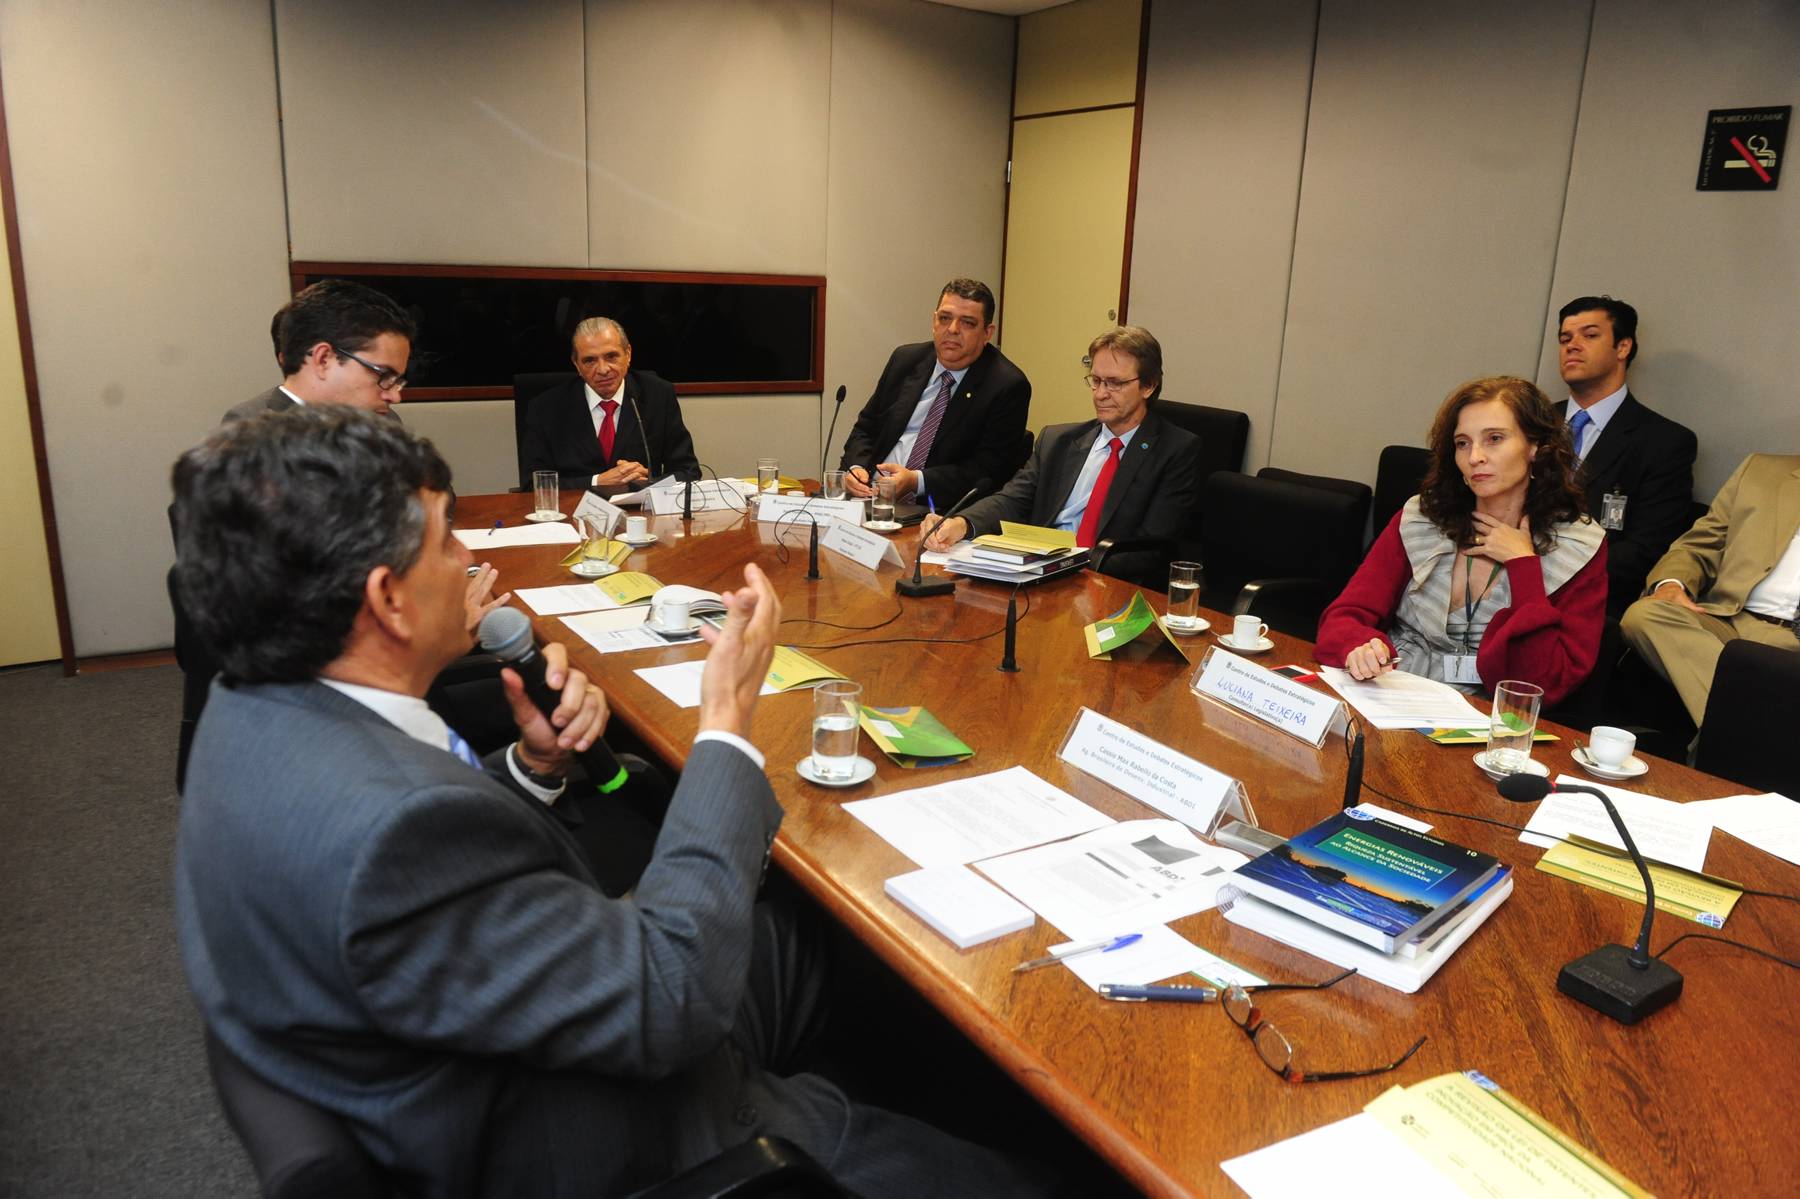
(420, 131)
(917, 189)
(1077, 55)
(1715, 276)
(27, 604)
(150, 208)
(1330, 236)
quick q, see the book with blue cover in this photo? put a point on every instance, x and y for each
(1367, 878)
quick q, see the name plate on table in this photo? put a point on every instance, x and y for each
(710, 495)
(603, 517)
(862, 547)
(789, 507)
(1231, 680)
(1172, 783)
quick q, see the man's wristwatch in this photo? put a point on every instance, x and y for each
(548, 782)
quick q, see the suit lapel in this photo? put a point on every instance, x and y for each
(1059, 480)
(1787, 516)
(911, 389)
(1611, 443)
(962, 400)
(1135, 462)
(628, 435)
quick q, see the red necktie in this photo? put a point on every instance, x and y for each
(1090, 517)
(606, 429)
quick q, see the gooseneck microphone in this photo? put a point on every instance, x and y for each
(1626, 984)
(812, 549)
(1009, 661)
(831, 432)
(643, 435)
(506, 634)
(917, 586)
(1353, 777)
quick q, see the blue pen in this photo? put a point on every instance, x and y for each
(497, 524)
(1125, 994)
(1059, 955)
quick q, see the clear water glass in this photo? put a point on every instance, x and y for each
(837, 705)
(1184, 597)
(834, 485)
(881, 508)
(768, 474)
(546, 495)
(1512, 725)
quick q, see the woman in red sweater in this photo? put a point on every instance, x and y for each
(1493, 571)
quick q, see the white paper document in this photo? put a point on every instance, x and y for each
(1316, 1163)
(1118, 878)
(960, 904)
(1769, 822)
(635, 499)
(571, 597)
(960, 821)
(1663, 830)
(1160, 953)
(620, 629)
(680, 681)
(508, 536)
(1398, 700)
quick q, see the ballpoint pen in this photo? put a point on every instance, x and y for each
(1125, 994)
(497, 524)
(1103, 946)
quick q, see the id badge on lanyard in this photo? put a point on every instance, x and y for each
(1460, 668)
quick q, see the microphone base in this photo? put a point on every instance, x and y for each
(1606, 981)
(919, 588)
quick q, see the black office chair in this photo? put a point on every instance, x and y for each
(1589, 704)
(527, 388)
(1399, 473)
(1223, 434)
(1276, 549)
(1358, 493)
(1750, 718)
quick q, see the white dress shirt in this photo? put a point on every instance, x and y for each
(910, 435)
(290, 395)
(1599, 412)
(1778, 594)
(1070, 516)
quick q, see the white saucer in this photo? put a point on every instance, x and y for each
(1532, 766)
(1630, 769)
(1262, 645)
(628, 539)
(675, 635)
(538, 518)
(882, 526)
(1204, 625)
(863, 772)
(593, 568)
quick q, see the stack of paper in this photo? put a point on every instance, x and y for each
(957, 903)
(1398, 700)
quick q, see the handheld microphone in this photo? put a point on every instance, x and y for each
(1353, 778)
(506, 634)
(825, 449)
(917, 586)
(1626, 984)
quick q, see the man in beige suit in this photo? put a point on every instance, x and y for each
(1736, 573)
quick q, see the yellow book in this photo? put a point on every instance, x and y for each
(600, 549)
(1702, 900)
(629, 587)
(1027, 539)
(791, 668)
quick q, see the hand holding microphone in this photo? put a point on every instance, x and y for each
(559, 713)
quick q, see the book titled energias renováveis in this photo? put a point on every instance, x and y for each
(1366, 878)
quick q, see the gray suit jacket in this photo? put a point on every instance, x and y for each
(272, 400)
(374, 926)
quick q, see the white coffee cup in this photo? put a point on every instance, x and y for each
(1247, 630)
(637, 527)
(1611, 747)
(671, 616)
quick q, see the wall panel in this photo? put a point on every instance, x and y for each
(1714, 275)
(1078, 55)
(148, 175)
(708, 127)
(1436, 155)
(917, 191)
(418, 131)
(1225, 106)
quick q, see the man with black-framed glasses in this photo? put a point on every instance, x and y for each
(338, 342)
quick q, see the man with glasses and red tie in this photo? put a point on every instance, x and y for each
(613, 427)
(1126, 473)
(338, 342)
(948, 414)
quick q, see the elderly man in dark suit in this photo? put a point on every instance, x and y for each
(337, 342)
(612, 427)
(1126, 473)
(947, 414)
(375, 921)
(1640, 459)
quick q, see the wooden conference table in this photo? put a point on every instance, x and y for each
(1693, 1101)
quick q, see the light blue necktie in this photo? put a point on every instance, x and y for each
(1578, 427)
(462, 749)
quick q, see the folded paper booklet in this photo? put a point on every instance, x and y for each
(1473, 736)
(1126, 625)
(599, 548)
(913, 737)
(629, 587)
(1019, 544)
(791, 668)
(1679, 893)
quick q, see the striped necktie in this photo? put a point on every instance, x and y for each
(934, 417)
